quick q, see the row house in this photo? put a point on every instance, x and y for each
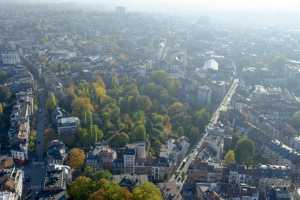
(55, 182)
(11, 180)
(101, 157)
(175, 150)
(203, 171)
(19, 131)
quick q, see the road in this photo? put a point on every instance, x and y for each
(40, 125)
(180, 176)
(35, 169)
(41, 114)
(35, 172)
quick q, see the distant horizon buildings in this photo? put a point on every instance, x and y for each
(120, 10)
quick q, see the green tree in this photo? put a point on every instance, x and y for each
(244, 151)
(139, 133)
(3, 76)
(5, 93)
(51, 102)
(84, 89)
(295, 120)
(173, 86)
(235, 138)
(157, 92)
(110, 191)
(144, 103)
(96, 133)
(177, 112)
(81, 188)
(115, 84)
(278, 63)
(82, 106)
(32, 141)
(49, 135)
(201, 118)
(160, 77)
(139, 117)
(119, 140)
(175, 108)
(156, 125)
(97, 174)
(83, 137)
(229, 157)
(180, 131)
(103, 174)
(131, 90)
(146, 191)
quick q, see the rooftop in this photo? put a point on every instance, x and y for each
(68, 120)
(211, 64)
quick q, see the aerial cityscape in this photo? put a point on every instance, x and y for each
(120, 104)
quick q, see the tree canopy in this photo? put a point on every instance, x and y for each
(119, 140)
(81, 188)
(51, 101)
(122, 110)
(147, 191)
(76, 158)
(244, 151)
(3, 76)
(110, 191)
(5, 93)
(1, 108)
(84, 188)
(295, 120)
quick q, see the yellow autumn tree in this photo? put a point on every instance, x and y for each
(146, 191)
(99, 88)
(229, 157)
(76, 158)
(81, 106)
(1, 108)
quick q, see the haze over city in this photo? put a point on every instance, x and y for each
(190, 5)
(149, 100)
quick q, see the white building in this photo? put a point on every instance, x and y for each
(20, 154)
(140, 149)
(9, 57)
(11, 185)
(211, 64)
(19, 131)
(67, 125)
(175, 150)
(19, 150)
(129, 161)
(295, 143)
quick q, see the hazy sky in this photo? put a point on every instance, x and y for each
(194, 5)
